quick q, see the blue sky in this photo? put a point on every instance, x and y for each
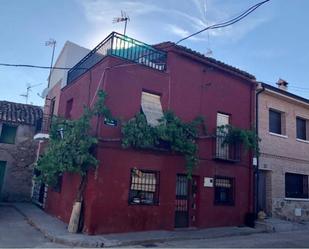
(270, 43)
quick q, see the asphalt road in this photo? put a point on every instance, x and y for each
(15, 231)
(295, 239)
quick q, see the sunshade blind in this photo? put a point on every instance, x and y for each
(151, 106)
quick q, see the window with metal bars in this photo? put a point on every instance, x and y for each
(296, 186)
(144, 187)
(224, 190)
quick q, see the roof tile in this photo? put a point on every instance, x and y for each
(20, 113)
(165, 45)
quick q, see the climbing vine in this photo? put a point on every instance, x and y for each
(248, 138)
(170, 134)
(70, 145)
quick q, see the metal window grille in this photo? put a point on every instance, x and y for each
(144, 187)
(224, 190)
(229, 152)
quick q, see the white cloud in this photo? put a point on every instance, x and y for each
(183, 18)
(177, 30)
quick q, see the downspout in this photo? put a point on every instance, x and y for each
(257, 156)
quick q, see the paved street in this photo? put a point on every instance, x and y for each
(15, 231)
(262, 240)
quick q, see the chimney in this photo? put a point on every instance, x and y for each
(282, 84)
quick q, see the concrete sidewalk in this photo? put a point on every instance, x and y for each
(56, 231)
(279, 225)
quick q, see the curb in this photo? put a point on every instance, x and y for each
(99, 243)
(151, 241)
(56, 239)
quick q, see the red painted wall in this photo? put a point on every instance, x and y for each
(189, 88)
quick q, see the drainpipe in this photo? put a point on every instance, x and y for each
(257, 157)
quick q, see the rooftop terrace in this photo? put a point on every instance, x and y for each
(123, 47)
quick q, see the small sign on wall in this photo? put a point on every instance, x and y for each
(297, 212)
(254, 161)
(208, 182)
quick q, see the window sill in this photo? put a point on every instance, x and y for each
(302, 141)
(143, 204)
(278, 135)
(230, 160)
(296, 199)
(7, 143)
(224, 204)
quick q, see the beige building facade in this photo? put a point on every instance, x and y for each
(283, 126)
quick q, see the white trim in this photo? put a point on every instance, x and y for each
(278, 135)
(296, 199)
(302, 141)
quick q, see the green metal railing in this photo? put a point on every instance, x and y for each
(123, 47)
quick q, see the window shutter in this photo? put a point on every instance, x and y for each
(275, 122)
(151, 106)
(222, 119)
(301, 128)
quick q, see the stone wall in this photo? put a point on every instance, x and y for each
(288, 209)
(19, 167)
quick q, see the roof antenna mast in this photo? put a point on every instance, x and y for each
(28, 90)
(124, 18)
(209, 52)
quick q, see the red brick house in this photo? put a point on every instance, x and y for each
(188, 83)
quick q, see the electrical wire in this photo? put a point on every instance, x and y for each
(215, 26)
(36, 66)
(227, 23)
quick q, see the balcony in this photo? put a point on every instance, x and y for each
(123, 47)
(43, 127)
(226, 152)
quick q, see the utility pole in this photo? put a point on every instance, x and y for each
(51, 43)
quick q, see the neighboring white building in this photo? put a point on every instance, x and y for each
(69, 56)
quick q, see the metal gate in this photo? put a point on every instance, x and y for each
(39, 191)
(182, 201)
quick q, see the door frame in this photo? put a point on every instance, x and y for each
(189, 202)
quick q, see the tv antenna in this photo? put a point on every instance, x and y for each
(209, 52)
(28, 90)
(124, 18)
